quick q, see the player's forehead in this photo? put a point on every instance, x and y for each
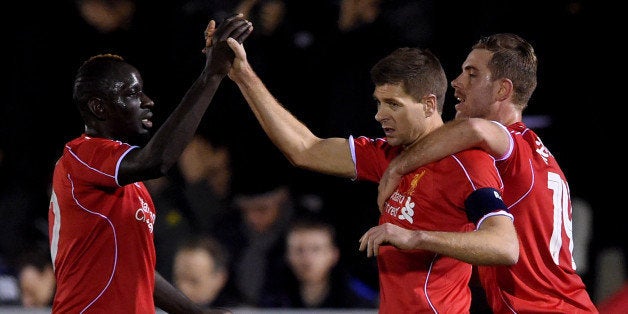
(124, 76)
(477, 60)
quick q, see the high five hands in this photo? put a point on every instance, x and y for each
(219, 55)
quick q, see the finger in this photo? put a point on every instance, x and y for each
(369, 251)
(362, 243)
(209, 33)
(237, 48)
(233, 28)
(243, 32)
(228, 25)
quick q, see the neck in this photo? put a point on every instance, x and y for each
(313, 293)
(506, 114)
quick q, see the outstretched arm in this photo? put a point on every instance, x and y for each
(450, 138)
(164, 148)
(302, 148)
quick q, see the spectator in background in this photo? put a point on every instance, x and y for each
(36, 278)
(314, 277)
(254, 233)
(206, 170)
(192, 198)
(201, 271)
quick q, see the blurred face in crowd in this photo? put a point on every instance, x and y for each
(37, 286)
(311, 253)
(195, 274)
(261, 211)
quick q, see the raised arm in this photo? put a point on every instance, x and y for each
(164, 148)
(452, 137)
(302, 148)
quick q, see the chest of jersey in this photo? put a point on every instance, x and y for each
(423, 201)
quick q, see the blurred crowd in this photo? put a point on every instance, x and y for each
(237, 224)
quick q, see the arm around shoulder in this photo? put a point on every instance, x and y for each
(490, 136)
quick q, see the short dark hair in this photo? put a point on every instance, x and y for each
(513, 58)
(418, 71)
(209, 244)
(306, 221)
(93, 79)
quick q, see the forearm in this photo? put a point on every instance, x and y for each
(291, 136)
(173, 136)
(284, 129)
(499, 246)
(440, 143)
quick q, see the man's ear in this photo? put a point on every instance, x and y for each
(505, 89)
(97, 108)
(429, 105)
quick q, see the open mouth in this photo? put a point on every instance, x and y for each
(147, 123)
(388, 131)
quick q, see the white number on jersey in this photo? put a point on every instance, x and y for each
(561, 217)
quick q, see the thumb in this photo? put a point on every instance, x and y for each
(236, 47)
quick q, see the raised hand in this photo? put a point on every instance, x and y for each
(219, 55)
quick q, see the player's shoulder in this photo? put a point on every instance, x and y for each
(90, 143)
(473, 154)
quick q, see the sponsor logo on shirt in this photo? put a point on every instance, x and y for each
(144, 214)
(405, 212)
(415, 182)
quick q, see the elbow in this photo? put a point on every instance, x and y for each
(475, 130)
(157, 169)
(506, 251)
(510, 254)
(297, 160)
(512, 258)
(163, 170)
(301, 154)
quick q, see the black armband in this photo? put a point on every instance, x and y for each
(483, 201)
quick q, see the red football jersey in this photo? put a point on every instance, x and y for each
(537, 194)
(430, 198)
(101, 234)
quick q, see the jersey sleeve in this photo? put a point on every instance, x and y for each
(96, 161)
(483, 198)
(511, 142)
(371, 157)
